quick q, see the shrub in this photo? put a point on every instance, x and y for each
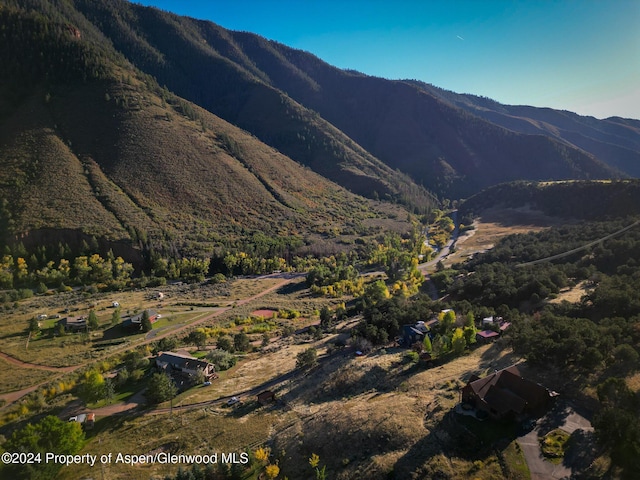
(307, 358)
(222, 359)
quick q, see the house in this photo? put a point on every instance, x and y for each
(180, 364)
(266, 397)
(414, 333)
(134, 322)
(492, 328)
(505, 394)
(486, 336)
(74, 324)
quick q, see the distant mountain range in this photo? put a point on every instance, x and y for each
(124, 121)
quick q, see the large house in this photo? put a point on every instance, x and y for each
(506, 394)
(183, 365)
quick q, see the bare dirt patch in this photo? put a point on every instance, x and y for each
(571, 295)
(495, 224)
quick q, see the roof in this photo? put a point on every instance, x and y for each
(181, 360)
(488, 334)
(80, 319)
(507, 391)
(432, 322)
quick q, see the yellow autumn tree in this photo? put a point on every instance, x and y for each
(272, 471)
(262, 454)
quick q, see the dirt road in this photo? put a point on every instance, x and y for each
(12, 397)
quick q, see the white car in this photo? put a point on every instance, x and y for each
(233, 401)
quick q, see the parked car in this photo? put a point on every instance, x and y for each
(206, 384)
(233, 401)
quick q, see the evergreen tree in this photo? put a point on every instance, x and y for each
(161, 388)
(146, 321)
(92, 322)
(115, 316)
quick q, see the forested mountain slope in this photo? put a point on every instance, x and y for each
(275, 91)
(89, 144)
(615, 140)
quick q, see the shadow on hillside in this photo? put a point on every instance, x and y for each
(509, 217)
(344, 375)
(557, 415)
(291, 288)
(462, 437)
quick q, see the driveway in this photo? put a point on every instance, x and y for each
(562, 416)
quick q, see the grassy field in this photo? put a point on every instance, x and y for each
(14, 378)
(494, 225)
(202, 431)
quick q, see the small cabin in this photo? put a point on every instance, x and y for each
(266, 397)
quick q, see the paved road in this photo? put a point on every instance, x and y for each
(444, 251)
(540, 468)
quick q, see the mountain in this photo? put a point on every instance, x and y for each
(137, 125)
(615, 140)
(92, 146)
(295, 102)
(205, 64)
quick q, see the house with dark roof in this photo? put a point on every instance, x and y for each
(416, 332)
(183, 365)
(506, 394)
(74, 324)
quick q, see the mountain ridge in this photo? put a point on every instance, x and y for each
(109, 153)
(230, 141)
(441, 146)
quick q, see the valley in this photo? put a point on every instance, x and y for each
(215, 245)
(312, 407)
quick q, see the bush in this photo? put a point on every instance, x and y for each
(411, 356)
(307, 358)
(222, 359)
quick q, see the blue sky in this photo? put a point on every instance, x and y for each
(581, 55)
